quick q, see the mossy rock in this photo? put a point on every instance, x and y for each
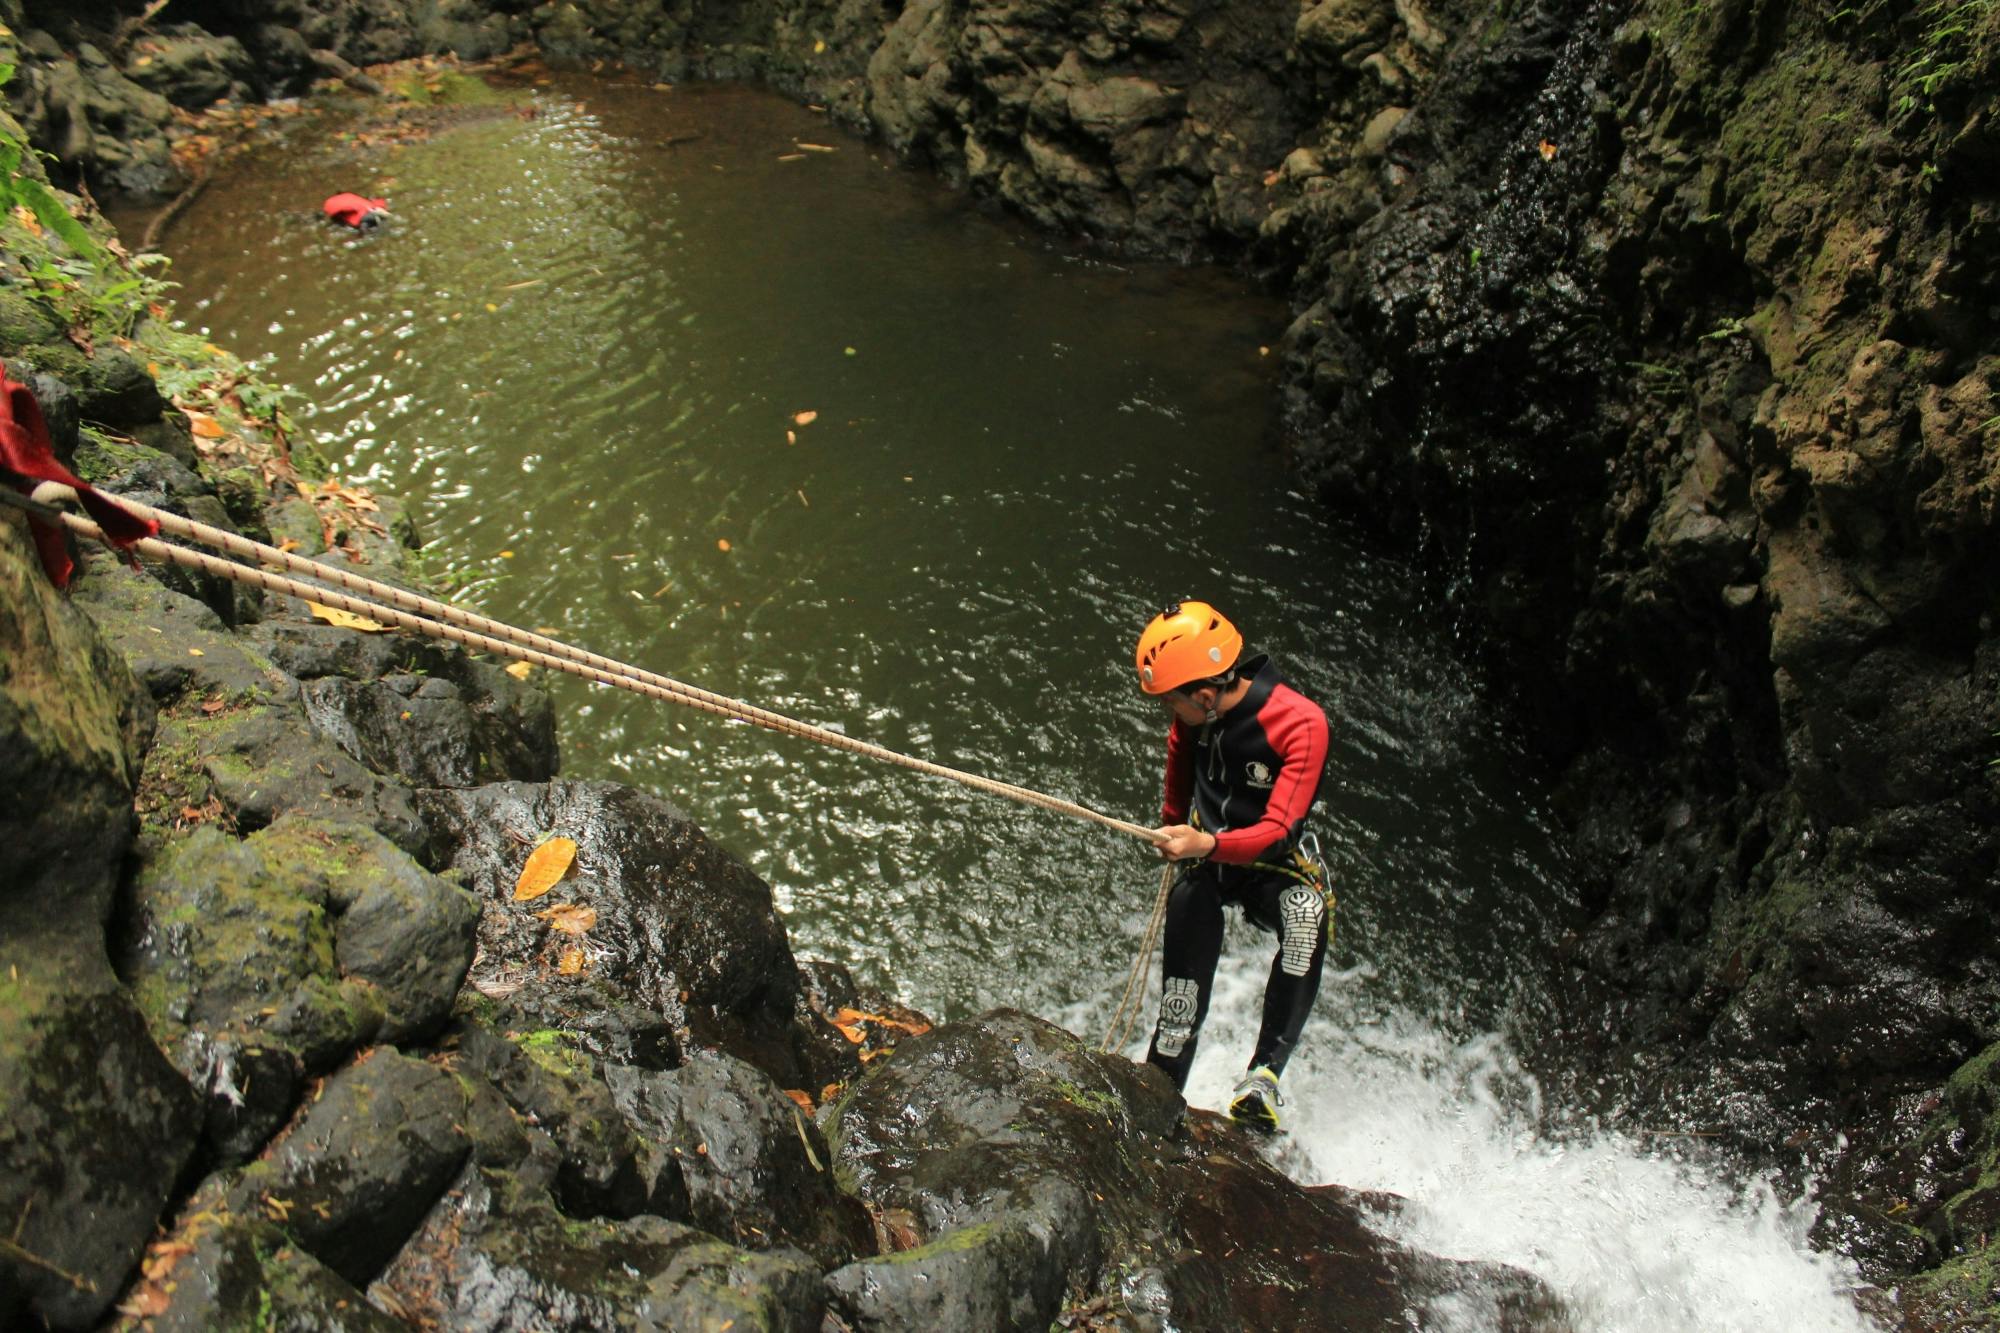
(25, 322)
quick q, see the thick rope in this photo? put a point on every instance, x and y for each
(434, 619)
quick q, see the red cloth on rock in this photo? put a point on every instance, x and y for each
(27, 458)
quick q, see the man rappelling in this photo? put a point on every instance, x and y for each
(1244, 755)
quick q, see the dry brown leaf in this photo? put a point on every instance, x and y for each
(805, 418)
(802, 1097)
(204, 425)
(520, 670)
(573, 962)
(333, 615)
(545, 869)
(570, 918)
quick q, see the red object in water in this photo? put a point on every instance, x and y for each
(353, 210)
(26, 457)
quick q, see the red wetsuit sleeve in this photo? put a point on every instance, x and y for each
(1180, 776)
(1297, 731)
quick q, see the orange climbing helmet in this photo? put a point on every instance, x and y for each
(1187, 642)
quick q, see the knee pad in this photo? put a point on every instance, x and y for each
(1302, 916)
(1179, 1001)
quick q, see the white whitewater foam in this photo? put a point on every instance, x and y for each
(1631, 1237)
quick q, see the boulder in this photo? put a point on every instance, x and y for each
(495, 1256)
(362, 1166)
(190, 67)
(95, 1125)
(756, 1168)
(1016, 1166)
(220, 1271)
(257, 962)
(600, 1166)
(683, 946)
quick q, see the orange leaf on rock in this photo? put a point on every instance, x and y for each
(573, 962)
(204, 425)
(802, 1097)
(546, 866)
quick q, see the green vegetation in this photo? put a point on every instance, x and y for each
(1950, 38)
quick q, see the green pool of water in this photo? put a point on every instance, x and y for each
(584, 348)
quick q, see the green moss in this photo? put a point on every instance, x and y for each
(555, 1051)
(1965, 1284)
(954, 1242)
(1097, 1103)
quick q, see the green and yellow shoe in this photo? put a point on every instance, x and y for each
(1256, 1100)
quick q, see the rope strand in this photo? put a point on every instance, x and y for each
(440, 620)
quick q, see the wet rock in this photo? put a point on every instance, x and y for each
(1016, 1165)
(98, 123)
(756, 1169)
(175, 645)
(493, 1256)
(263, 762)
(432, 731)
(94, 1123)
(685, 940)
(95, 1126)
(248, 1273)
(364, 1164)
(190, 67)
(990, 1275)
(259, 961)
(553, 1085)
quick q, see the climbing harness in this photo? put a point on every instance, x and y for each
(439, 620)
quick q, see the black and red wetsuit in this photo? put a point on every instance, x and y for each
(1249, 778)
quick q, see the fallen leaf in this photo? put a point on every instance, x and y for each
(213, 706)
(196, 652)
(333, 615)
(546, 866)
(802, 1097)
(804, 418)
(570, 918)
(520, 670)
(204, 425)
(829, 1092)
(722, 543)
(490, 307)
(289, 544)
(506, 555)
(572, 963)
(1547, 149)
(818, 46)
(145, 1303)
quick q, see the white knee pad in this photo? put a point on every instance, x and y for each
(1177, 1009)
(1302, 912)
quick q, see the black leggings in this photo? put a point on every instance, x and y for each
(1272, 901)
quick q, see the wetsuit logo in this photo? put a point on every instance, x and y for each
(1177, 1008)
(1259, 774)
